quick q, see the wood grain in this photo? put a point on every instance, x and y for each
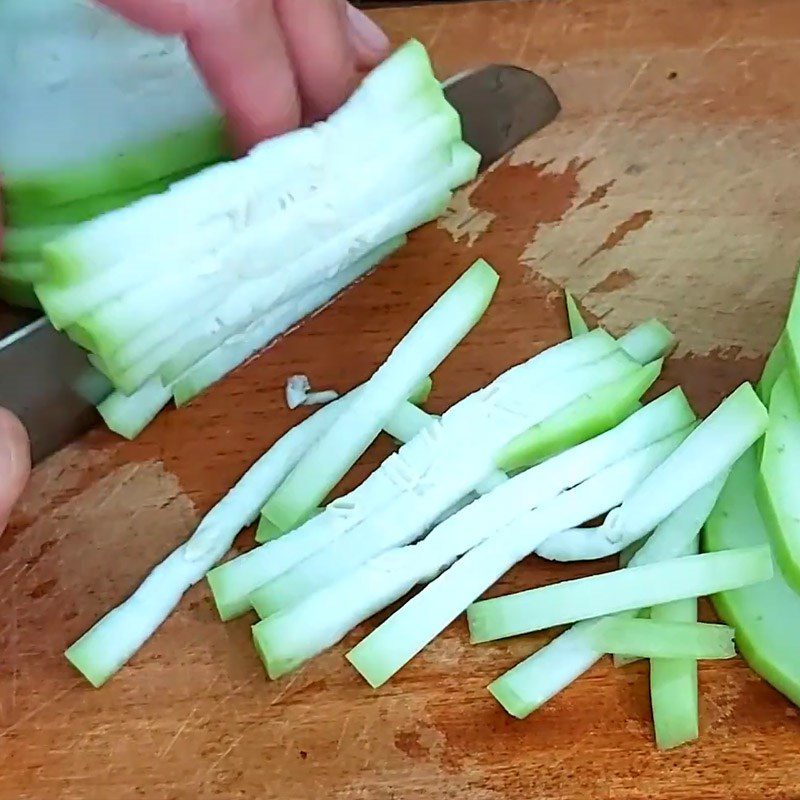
(667, 187)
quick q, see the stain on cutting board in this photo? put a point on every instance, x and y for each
(86, 550)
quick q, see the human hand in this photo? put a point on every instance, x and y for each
(272, 64)
(15, 463)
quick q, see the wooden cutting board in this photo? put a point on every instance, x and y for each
(668, 187)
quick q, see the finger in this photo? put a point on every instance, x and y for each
(324, 59)
(15, 463)
(161, 16)
(370, 43)
(240, 49)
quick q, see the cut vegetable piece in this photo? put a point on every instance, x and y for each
(766, 616)
(662, 639)
(535, 680)
(25, 244)
(408, 630)
(777, 362)
(420, 351)
(709, 452)
(267, 474)
(273, 224)
(648, 341)
(631, 588)
(321, 619)
(236, 350)
(621, 659)
(594, 413)
(382, 532)
(776, 489)
(128, 415)
(473, 428)
(673, 682)
(179, 349)
(577, 325)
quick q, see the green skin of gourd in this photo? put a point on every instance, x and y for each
(776, 497)
(766, 616)
(178, 152)
(27, 215)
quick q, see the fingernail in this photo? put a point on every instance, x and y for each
(366, 31)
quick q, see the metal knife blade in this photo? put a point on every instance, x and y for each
(47, 381)
(500, 106)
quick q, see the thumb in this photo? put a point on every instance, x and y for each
(369, 42)
(15, 463)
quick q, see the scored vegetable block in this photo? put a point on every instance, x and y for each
(149, 112)
(231, 232)
(766, 615)
(776, 488)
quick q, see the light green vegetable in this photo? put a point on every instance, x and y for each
(539, 677)
(22, 271)
(766, 615)
(776, 489)
(648, 341)
(777, 362)
(118, 635)
(420, 351)
(577, 324)
(659, 638)
(407, 631)
(673, 681)
(790, 339)
(25, 244)
(468, 434)
(631, 588)
(69, 215)
(711, 450)
(92, 104)
(324, 616)
(594, 413)
(381, 532)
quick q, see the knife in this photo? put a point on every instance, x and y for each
(47, 381)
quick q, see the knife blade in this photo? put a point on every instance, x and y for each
(47, 381)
